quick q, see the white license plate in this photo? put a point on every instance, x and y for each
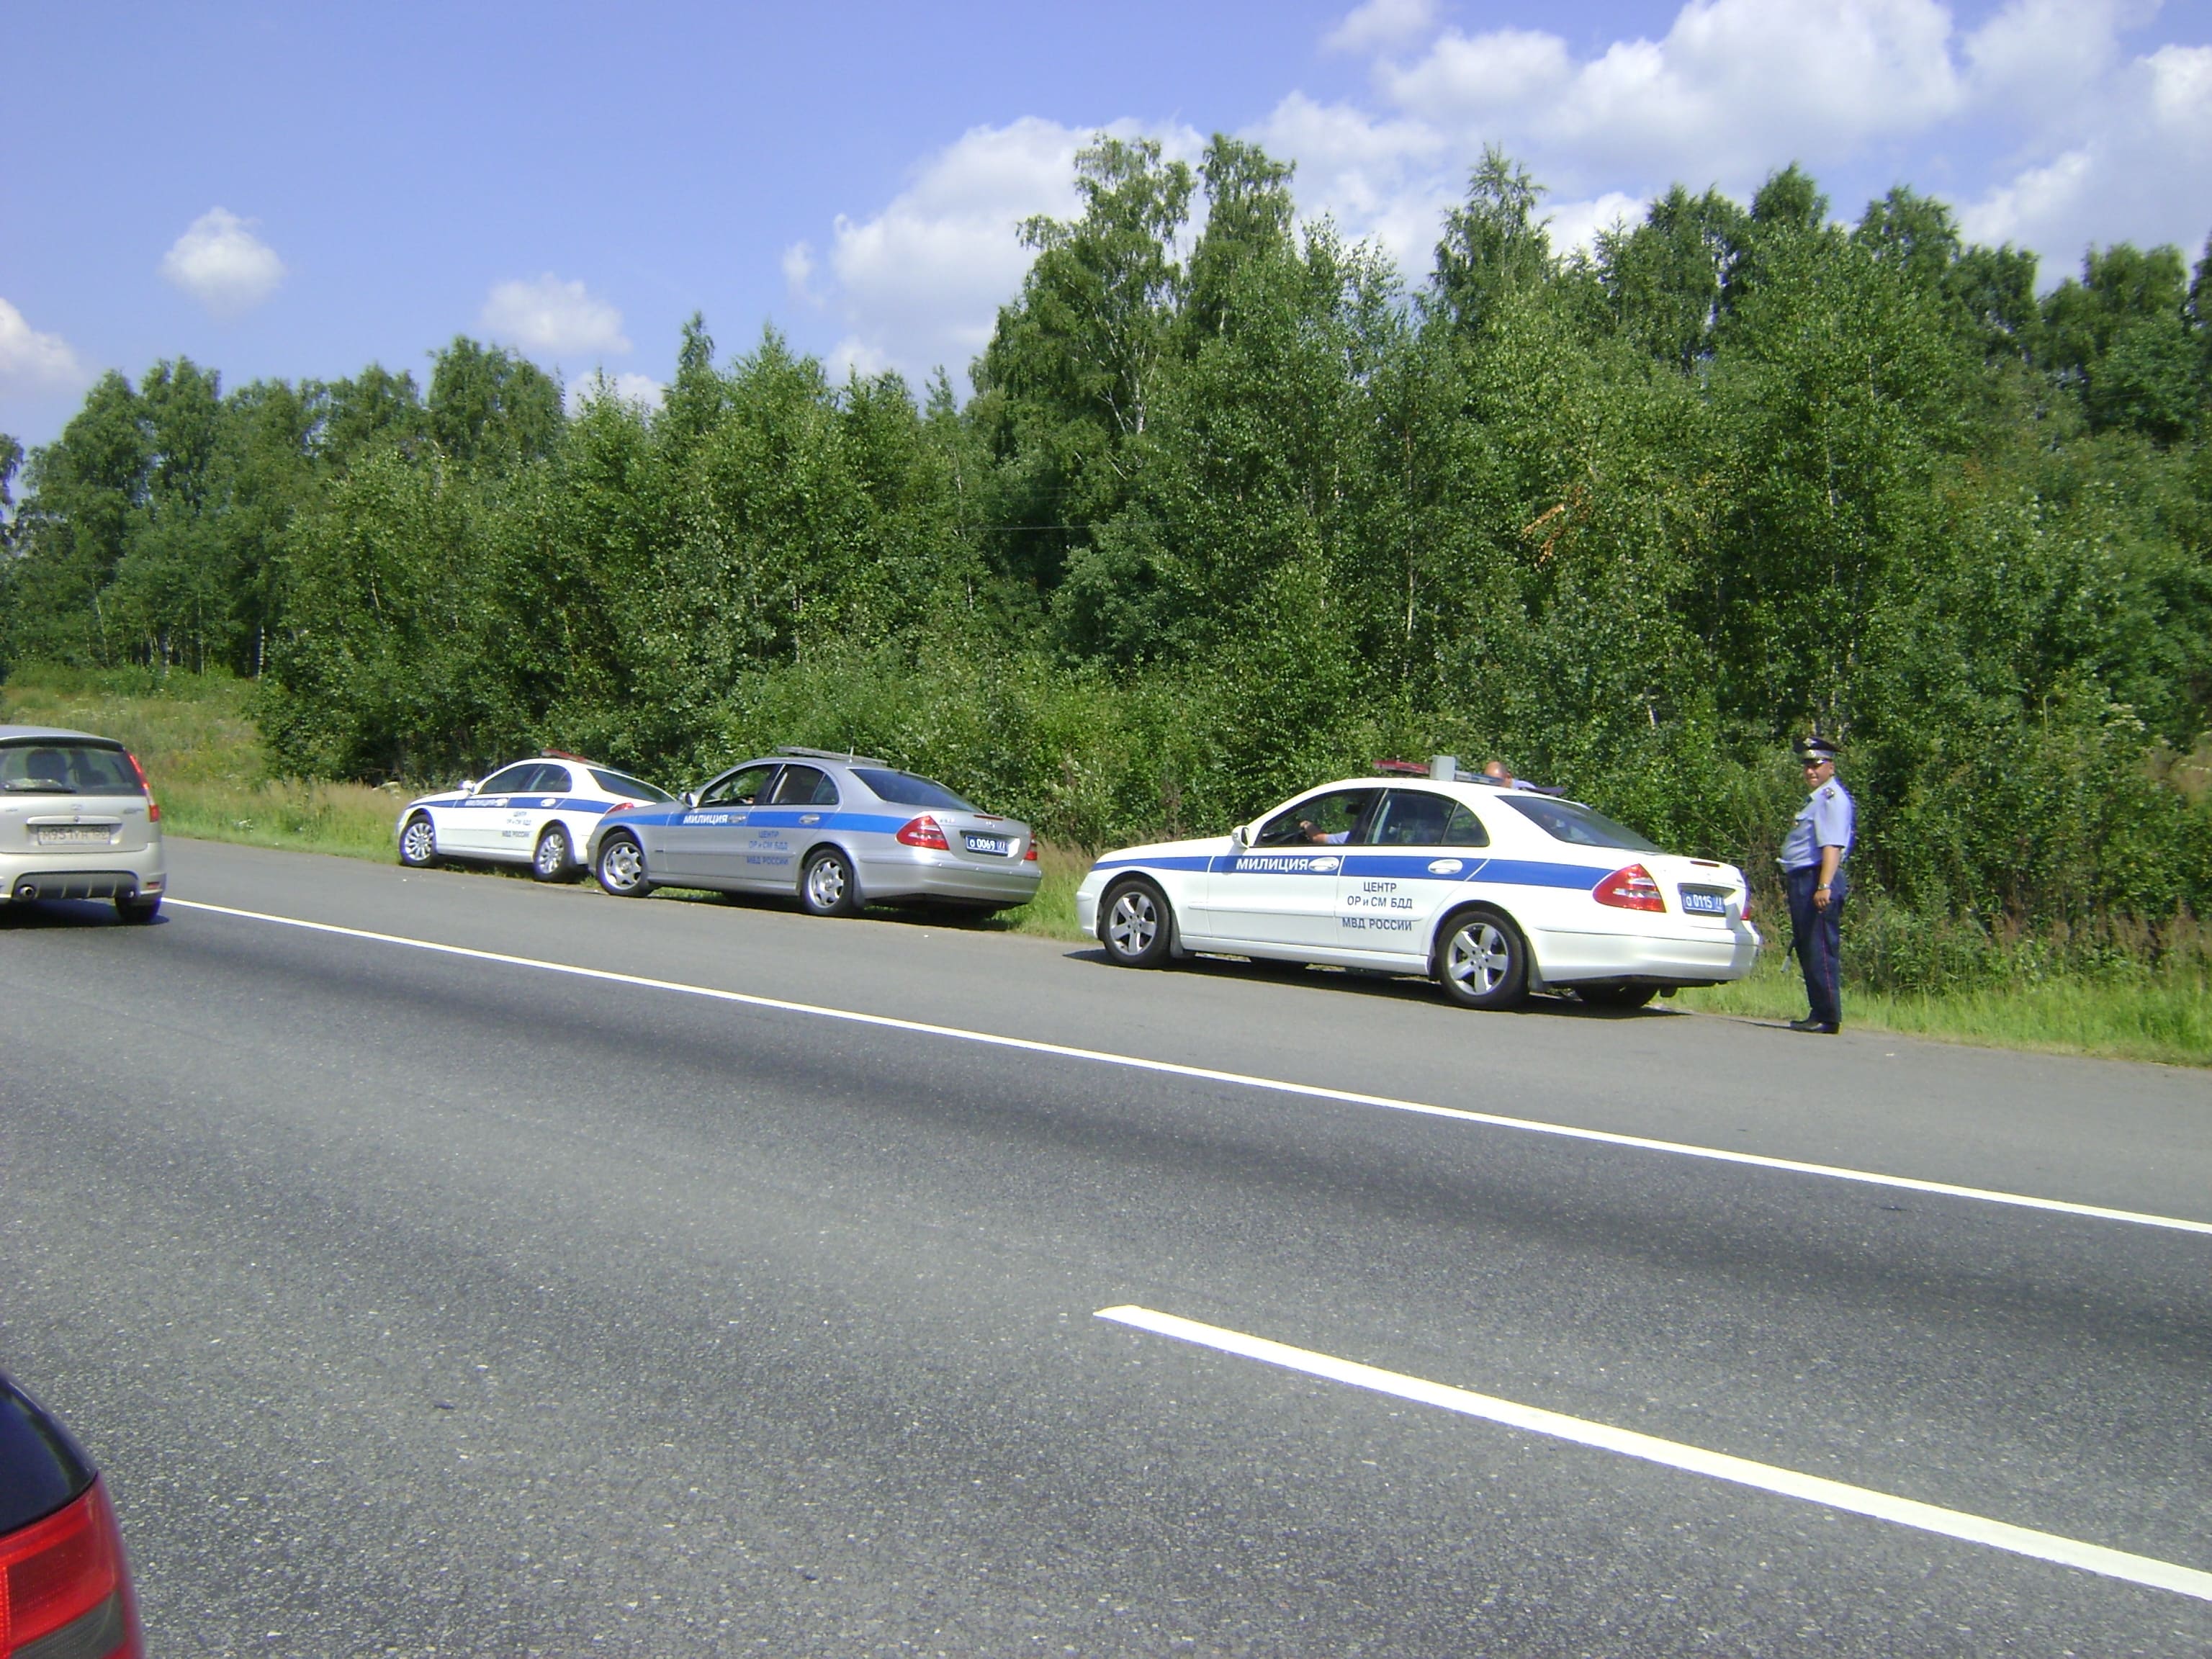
(998, 844)
(89, 836)
(1695, 903)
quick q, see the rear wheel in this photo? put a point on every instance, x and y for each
(1136, 925)
(1481, 961)
(418, 843)
(554, 860)
(827, 888)
(621, 867)
(138, 911)
(1616, 996)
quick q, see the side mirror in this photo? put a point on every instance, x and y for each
(468, 785)
(687, 799)
(1237, 838)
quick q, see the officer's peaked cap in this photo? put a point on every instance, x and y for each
(1814, 748)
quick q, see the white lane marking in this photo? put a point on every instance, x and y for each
(1239, 1079)
(1650, 1449)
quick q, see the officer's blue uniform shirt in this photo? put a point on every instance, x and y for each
(1826, 819)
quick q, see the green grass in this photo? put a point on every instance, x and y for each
(1051, 914)
(196, 736)
(2143, 1015)
(198, 742)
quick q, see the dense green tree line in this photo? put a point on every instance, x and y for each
(1231, 510)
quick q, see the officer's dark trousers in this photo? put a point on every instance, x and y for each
(1818, 935)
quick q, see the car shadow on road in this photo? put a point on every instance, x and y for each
(1375, 983)
(34, 915)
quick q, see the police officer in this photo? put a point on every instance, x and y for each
(1813, 858)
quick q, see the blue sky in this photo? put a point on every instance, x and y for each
(297, 190)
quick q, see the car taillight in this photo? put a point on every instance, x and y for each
(622, 806)
(64, 1588)
(924, 832)
(1631, 889)
(153, 806)
(1031, 856)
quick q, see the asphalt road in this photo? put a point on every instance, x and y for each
(416, 1303)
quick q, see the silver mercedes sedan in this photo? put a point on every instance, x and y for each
(836, 831)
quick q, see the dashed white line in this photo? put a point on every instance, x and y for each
(1235, 1079)
(1695, 1459)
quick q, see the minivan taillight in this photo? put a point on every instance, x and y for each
(924, 832)
(1631, 889)
(153, 806)
(1031, 856)
(64, 1584)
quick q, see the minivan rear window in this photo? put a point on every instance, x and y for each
(59, 767)
(904, 789)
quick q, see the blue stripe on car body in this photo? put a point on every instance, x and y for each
(1510, 873)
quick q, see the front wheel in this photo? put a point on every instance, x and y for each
(827, 887)
(1136, 925)
(621, 867)
(418, 843)
(553, 859)
(1482, 961)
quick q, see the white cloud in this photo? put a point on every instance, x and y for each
(920, 284)
(2035, 51)
(1380, 25)
(1576, 226)
(2097, 145)
(552, 318)
(799, 273)
(2141, 171)
(1735, 87)
(220, 262)
(32, 361)
(630, 388)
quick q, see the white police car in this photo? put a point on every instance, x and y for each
(539, 812)
(1493, 892)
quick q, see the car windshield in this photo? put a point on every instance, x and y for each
(904, 789)
(620, 783)
(66, 769)
(1565, 820)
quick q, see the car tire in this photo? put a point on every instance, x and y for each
(554, 858)
(1136, 924)
(1481, 961)
(621, 867)
(827, 886)
(137, 912)
(418, 843)
(1615, 996)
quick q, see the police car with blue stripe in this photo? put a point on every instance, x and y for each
(539, 812)
(1493, 892)
(833, 829)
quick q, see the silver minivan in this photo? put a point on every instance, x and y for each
(78, 822)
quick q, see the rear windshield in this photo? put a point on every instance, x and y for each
(904, 789)
(66, 769)
(41, 1467)
(620, 783)
(1563, 820)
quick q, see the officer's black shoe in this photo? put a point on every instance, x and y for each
(1824, 1027)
